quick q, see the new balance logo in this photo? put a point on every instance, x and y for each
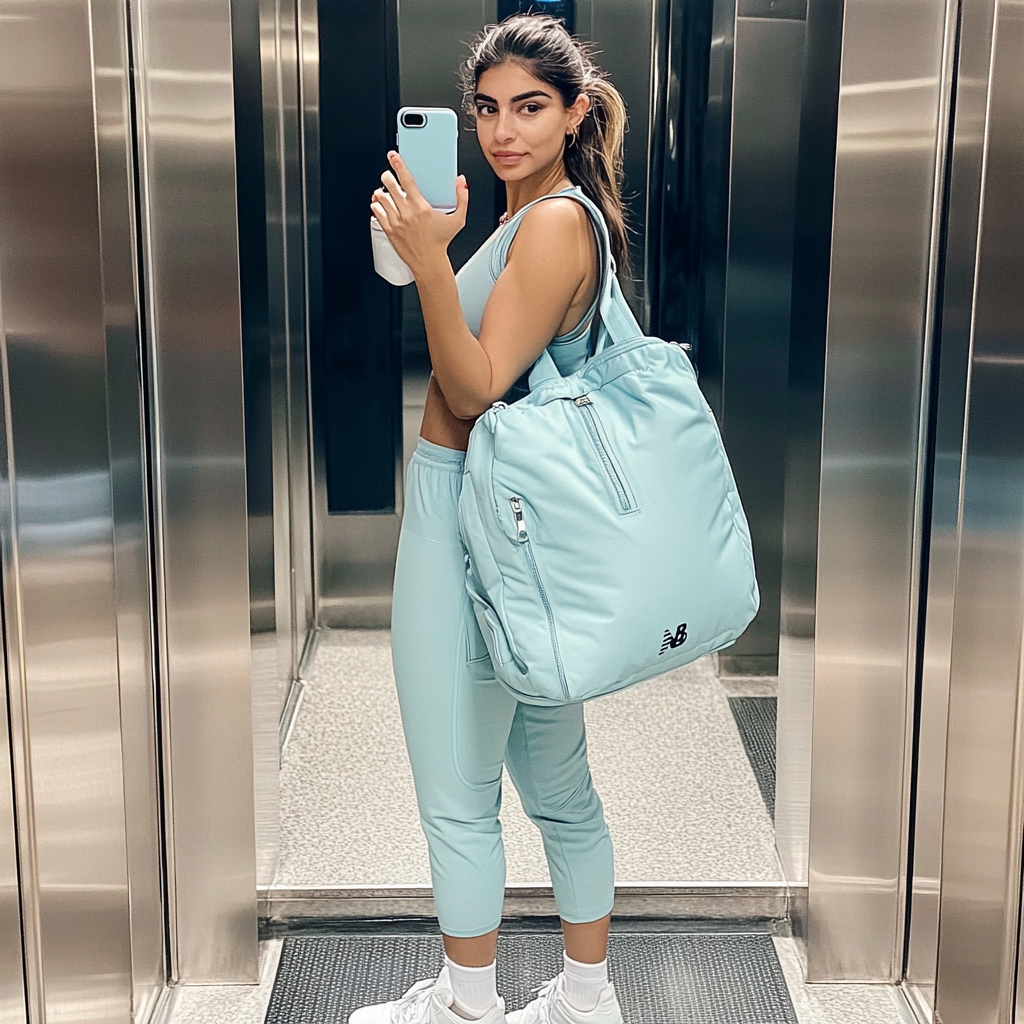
(673, 641)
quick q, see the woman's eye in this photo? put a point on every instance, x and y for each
(531, 108)
(484, 109)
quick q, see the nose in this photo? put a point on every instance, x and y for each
(504, 130)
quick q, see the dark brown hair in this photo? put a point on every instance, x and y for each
(543, 46)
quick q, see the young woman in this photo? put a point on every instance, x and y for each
(550, 125)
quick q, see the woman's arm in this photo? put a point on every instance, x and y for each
(546, 269)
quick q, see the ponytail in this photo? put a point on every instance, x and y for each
(594, 161)
(593, 158)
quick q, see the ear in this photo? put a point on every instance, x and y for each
(578, 110)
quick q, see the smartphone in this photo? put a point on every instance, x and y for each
(428, 140)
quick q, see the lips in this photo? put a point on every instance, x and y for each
(506, 157)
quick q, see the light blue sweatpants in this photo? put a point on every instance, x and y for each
(461, 726)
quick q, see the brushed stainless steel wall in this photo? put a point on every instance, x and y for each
(805, 391)
(13, 1008)
(185, 103)
(984, 803)
(768, 51)
(57, 530)
(889, 151)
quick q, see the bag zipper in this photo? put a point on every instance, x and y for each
(612, 471)
(524, 539)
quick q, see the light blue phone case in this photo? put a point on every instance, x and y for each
(431, 152)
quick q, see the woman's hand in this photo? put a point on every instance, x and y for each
(419, 233)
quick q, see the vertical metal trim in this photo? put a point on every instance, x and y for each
(157, 479)
(21, 747)
(921, 515)
(309, 105)
(126, 429)
(979, 926)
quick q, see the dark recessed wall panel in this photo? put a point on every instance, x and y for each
(356, 356)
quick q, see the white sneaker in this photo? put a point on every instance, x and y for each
(551, 1007)
(427, 1002)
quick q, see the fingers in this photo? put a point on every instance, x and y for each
(461, 200)
(405, 178)
(391, 183)
(387, 201)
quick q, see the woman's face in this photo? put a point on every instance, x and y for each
(521, 121)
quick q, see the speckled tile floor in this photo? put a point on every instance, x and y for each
(679, 794)
(814, 1004)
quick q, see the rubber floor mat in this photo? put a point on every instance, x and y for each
(755, 718)
(688, 978)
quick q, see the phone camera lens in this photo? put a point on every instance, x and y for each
(413, 120)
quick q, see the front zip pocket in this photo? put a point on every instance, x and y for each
(523, 538)
(612, 469)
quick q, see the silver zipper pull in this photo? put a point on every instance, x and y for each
(517, 511)
(498, 406)
(583, 400)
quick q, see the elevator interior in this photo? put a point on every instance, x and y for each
(826, 206)
(710, 158)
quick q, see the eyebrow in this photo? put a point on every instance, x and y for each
(481, 97)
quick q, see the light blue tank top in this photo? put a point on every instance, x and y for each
(478, 276)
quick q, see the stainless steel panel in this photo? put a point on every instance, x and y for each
(950, 390)
(129, 492)
(882, 270)
(13, 1008)
(808, 324)
(56, 522)
(767, 76)
(984, 802)
(186, 141)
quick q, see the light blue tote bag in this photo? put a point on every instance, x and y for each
(605, 539)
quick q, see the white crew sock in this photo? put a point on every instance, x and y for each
(584, 983)
(475, 989)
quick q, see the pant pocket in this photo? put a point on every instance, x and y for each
(482, 716)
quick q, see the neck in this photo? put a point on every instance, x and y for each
(520, 193)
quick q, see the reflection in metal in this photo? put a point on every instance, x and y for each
(808, 321)
(883, 268)
(185, 128)
(984, 800)
(12, 967)
(130, 494)
(56, 522)
(767, 63)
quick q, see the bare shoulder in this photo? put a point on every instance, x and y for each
(558, 226)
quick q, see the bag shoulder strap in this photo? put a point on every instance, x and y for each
(613, 320)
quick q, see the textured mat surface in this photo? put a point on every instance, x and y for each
(661, 979)
(755, 717)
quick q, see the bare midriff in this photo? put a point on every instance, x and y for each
(440, 424)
